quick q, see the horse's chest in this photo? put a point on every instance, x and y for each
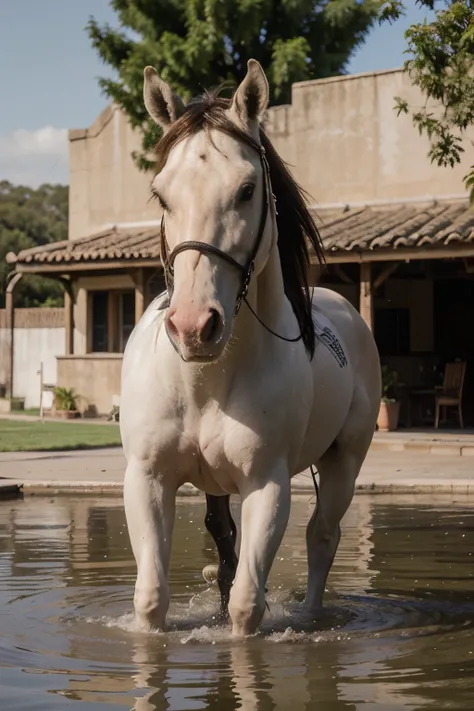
(221, 450)
(220, 442)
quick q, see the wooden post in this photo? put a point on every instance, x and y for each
(40, 372)
(69, 322)
(139, 280)
(366, 306)
(10, 309)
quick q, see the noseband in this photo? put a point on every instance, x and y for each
(245, 270)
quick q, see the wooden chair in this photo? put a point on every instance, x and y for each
(450, 393)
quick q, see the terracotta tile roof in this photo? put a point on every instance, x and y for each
(109, 245)
(358, 229)
(395, 227)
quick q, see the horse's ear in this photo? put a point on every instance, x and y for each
(162, 104)
(251, 98)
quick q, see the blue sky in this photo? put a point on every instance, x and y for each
(48, 76)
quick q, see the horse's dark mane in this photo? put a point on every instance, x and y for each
(294, 221)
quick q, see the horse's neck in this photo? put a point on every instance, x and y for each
(267, 298)
(249, 341)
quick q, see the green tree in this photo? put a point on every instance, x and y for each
(441, 64)
(195, 44)
(30, 218)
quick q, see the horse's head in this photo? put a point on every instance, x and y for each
(213, 186)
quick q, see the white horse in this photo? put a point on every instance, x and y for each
(237, 379)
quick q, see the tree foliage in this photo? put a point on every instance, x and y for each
(195, 44)
(30, 218)
(442, 66)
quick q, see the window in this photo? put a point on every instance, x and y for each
(100, 322)
(112, 315)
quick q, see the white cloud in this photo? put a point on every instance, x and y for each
(32, 157)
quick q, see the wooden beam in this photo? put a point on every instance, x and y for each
(366, 307)
(342, 274)
(10, 309)
(401, 254)
(69, 323)
(384, 274)
(84, 268)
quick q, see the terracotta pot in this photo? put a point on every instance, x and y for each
(387, 420)
(67, 414)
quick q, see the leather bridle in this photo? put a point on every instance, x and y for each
(245, 270)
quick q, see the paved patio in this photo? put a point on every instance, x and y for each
(426, 441)
(384, 471)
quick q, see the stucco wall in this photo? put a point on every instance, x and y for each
(341, 136)
(348, 144)
(95, 377)
(105, 185)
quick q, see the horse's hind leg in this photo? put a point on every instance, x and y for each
(338, 471)
(150, 511)
(221, 526)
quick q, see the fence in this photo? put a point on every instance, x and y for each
(39, 337)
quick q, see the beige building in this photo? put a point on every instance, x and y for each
(397, 229)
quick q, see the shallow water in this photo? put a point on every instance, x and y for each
(397, 633)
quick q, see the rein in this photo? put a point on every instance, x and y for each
(246, 270)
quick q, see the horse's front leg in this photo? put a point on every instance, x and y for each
(150, 510)
(265, 513)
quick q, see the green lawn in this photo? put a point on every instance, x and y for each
(33, 411)
(55, 436)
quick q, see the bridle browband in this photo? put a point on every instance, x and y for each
(247, 269)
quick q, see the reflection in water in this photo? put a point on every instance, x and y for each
(397, 631)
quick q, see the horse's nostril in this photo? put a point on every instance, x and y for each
(211, 327)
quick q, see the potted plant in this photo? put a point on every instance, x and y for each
(65, 402)
(389, 412)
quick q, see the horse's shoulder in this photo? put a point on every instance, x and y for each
(151, 320)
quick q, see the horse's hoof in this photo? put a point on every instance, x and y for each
(210, 574)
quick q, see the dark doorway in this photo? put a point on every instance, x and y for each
(454, 332)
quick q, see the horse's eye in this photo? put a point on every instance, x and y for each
(247, 192)
(156, 196)
(163, 203)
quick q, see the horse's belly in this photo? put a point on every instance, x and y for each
(212, 481)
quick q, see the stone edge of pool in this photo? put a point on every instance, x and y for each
(50, 488)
